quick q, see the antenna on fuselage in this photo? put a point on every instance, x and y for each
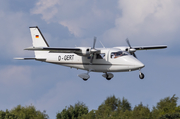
(102, 44)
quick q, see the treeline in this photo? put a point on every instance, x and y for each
(115, 108)
(19, 112)
(111, 108)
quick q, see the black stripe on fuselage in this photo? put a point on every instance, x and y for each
(87, 64)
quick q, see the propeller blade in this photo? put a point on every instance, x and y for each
(127, 40)
(132, 53)
(94, 43)
(93, 49)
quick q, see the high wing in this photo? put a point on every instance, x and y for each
(82, 51)
(132, 50)
(54, 49)
(150, 47)
(78, 51)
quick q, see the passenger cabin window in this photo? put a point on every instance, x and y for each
(115, 55)
(100, 56)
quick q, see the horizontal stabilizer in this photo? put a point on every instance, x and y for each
(40, 59)
(25, 58)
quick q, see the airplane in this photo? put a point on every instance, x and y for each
(91, 59)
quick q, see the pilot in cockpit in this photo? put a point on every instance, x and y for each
(116, 54)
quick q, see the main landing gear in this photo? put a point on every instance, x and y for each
(85, 79)
(84, 76)
(108, 76)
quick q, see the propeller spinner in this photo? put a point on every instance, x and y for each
(131, 50)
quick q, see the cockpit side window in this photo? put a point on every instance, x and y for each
(100, 56)
(115, 55)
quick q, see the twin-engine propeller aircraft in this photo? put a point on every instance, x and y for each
(91, 59)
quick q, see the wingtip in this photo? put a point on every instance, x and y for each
(33, 27)
(17, 58)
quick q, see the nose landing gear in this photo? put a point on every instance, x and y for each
(141, 75)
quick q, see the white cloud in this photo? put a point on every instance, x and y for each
(48, 7)
(78, 16)
(152, 21)
(141, 19)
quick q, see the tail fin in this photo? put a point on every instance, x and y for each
(38, 38)
(38, 41)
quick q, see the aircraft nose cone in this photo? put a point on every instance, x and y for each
(139, 64)
(134, 63)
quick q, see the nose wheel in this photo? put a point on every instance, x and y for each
(141, 75)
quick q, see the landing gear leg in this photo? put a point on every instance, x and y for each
(141, 75)
(85, 79)
(107, 77)
(84, 76)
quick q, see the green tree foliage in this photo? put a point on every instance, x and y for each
(90, 115)
(73, 112)
(107, 107)
(167, 109)
(141, 112)
(112, 107)
(7, 115)
(19, 112)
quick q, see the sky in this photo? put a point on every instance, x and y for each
(70, 23)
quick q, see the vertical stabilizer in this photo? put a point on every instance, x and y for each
(38, 40)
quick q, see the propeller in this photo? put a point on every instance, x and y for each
(94, 42)
(131, 50)
(93, 50)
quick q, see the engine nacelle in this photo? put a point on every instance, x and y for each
(85, 51)
(130, 50)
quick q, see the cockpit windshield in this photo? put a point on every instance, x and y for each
(117, 54)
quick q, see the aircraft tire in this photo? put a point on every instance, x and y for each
(85, 79)
(108, 79)
(141, 76)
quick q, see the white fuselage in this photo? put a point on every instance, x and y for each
(105, 63)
